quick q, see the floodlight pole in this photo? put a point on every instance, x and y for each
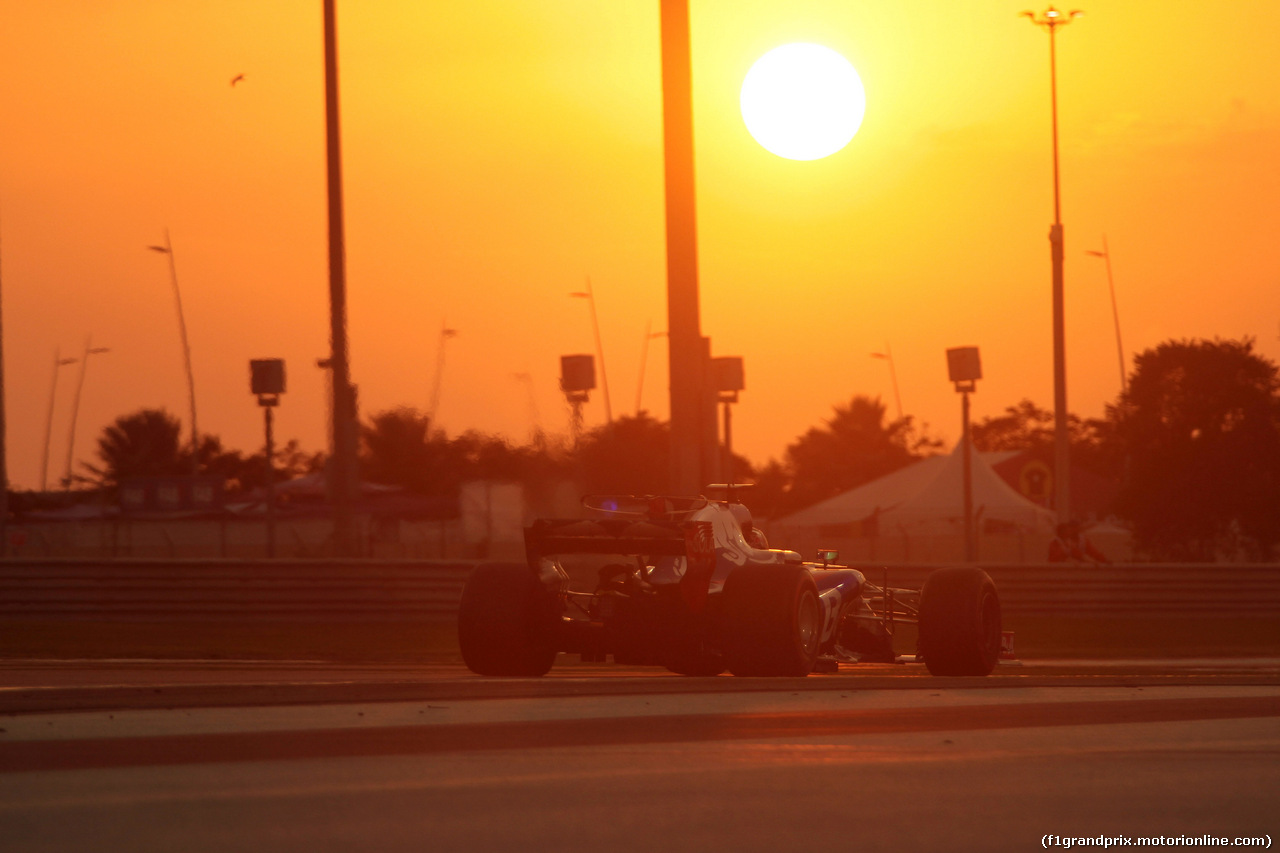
(590, 295)
(167, 249)
(644, 358)
(728, 400)
(89, 350)
(1105, 254)
(727, 377)
(1051, 19)
(58, 363)
(577, 379)
(445, 334)
(268, 406)
(267, 383)
(576, 399)
(964, 368)
(887, 355)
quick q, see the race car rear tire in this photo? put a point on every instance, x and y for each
(506, 622)
(772, 621)
(960, 622)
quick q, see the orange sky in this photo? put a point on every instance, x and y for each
(498, 152)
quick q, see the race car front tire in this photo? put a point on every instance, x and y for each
(772, 621)
(506, 622)
(960, 622)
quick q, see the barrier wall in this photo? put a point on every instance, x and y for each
(371, 590)
(232, 590)
(1128, 589)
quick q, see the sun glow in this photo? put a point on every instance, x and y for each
(803, 101)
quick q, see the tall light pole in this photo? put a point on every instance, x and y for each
(644, 359)
(1051, 19)
(167, 249)
(58, 363)
(342, 473)
(887, 355)
(445, 334)
(1115, 312)
(89, 350)
(590, 296)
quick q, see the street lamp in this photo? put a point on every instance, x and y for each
(644, 358)
(590, 296)
(58, 363)
(75, 405)
(964, 367)
(1115, 312)
(887, 355)
(1051, 19)
(167, 249)
(445, 334)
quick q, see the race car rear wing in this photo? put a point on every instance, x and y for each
(693, 540)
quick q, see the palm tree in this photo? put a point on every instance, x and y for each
(146, 443)
(399, 450)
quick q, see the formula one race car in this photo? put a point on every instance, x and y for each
(690, 584)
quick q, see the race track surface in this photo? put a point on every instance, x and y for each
(201, 755)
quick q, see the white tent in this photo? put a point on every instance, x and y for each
(924, 499)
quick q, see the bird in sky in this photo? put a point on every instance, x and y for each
(236, 79)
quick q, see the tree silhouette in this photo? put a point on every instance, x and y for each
(490, 457)
(1026, 426)
(242, 473)
(398, 449)
(1201, 426)
(149, 443)
(855, 446)
(769, 493)
(146, 443)
(632, 455)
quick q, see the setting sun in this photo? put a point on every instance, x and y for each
(803, 101)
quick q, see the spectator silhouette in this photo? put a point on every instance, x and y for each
(1071, 546)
